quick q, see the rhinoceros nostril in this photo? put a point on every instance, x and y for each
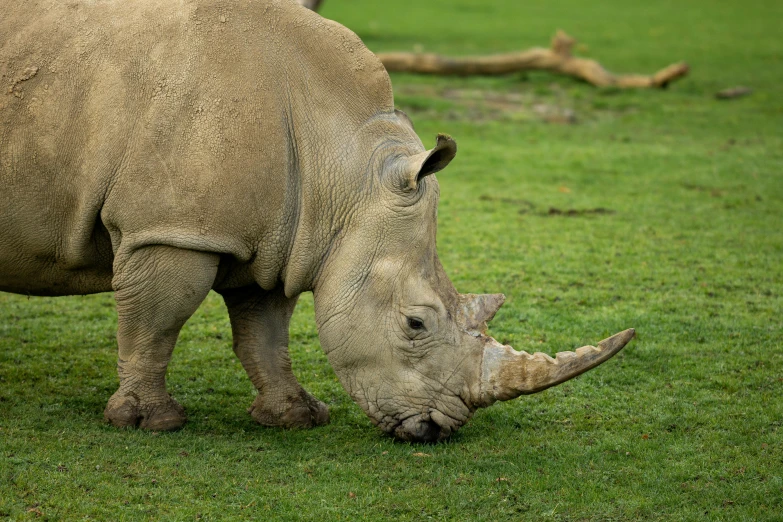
(429, 431)
(417, 429)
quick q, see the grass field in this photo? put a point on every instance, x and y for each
(659, 210)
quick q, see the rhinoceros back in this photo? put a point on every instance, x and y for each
(133, 122)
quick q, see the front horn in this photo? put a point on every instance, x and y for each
(507, 373)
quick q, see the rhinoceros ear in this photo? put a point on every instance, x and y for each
(431, 161)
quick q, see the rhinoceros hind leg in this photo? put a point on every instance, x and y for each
(157, 288)
(259, 325)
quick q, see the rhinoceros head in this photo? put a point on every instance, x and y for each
(409, 349)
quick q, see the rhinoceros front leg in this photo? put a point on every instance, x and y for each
(157, 288)
(259, 324)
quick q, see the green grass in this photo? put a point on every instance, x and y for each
(685, 424)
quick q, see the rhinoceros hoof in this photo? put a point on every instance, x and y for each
(304, 411)
(128, 411)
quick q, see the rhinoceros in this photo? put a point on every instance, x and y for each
(161, 150)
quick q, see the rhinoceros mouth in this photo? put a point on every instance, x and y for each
(420, 428)
(431, 426)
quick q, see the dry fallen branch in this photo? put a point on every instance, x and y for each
(557, 59)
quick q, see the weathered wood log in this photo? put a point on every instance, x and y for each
(557, 59)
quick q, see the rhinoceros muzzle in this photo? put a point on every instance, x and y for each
(421, 428)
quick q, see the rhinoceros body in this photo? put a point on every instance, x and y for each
(163, 149)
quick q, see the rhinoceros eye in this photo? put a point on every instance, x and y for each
(415, 324)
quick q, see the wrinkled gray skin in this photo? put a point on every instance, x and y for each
(163, 149)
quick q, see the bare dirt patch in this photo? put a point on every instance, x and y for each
(551, 103)
(483, 104)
